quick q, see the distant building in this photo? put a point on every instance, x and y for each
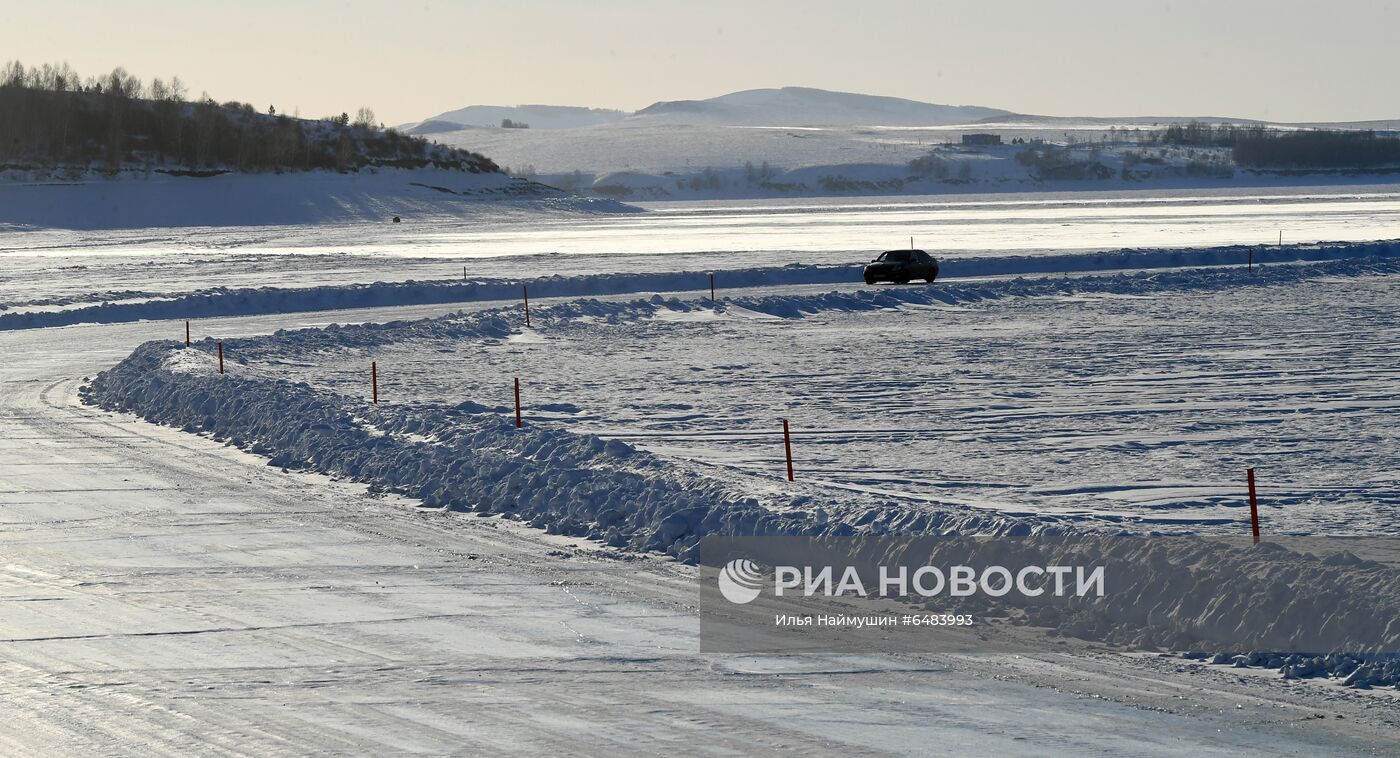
(981, 140)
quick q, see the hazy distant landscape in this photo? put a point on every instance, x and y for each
(794, 142)
(768, 143)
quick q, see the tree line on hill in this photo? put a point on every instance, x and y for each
(1254, 146)
(52, 118)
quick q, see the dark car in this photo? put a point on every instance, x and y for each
(901, 266)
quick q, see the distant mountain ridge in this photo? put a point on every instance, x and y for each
(806, 106)
(785, 106)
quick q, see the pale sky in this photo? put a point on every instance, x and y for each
(1286, 60)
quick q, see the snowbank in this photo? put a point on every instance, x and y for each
(139, 200)
(457, 457)
(242, 302)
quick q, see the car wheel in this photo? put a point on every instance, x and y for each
(869, 280)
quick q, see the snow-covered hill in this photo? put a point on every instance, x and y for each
(805, 106)
(536, 116)
(786, 106)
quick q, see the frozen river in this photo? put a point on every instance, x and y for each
(504, 240)
(983, 224)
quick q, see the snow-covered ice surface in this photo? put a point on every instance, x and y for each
(1137, 398)
(51, 268)
(223, 301)
(168, 594)
(1029, 222)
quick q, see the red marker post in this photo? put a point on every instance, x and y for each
(526, 289)
(374, 380)
(787, 446)
(518, 422)
(1253, 506)
(187, 332)
(221, 357)
(712, 288)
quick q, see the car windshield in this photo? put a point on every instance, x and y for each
(896, 256)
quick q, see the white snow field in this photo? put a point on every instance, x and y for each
(379, 587)
(139, 200)
(1129, 398)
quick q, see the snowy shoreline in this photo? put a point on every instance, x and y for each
(139, 199)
